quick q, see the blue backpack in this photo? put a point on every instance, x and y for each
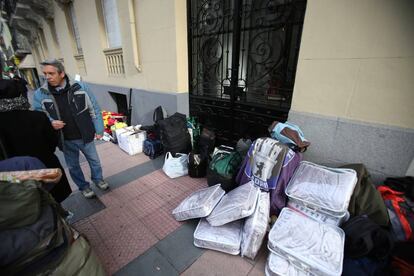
(152, 148)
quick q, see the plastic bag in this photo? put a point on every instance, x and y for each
(175, 166)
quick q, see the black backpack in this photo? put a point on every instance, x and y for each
(159, 114)
(174, 134)
(153, 131)
(363, 238)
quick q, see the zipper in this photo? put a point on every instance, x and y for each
(59, 118)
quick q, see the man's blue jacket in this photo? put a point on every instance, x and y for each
(82, 104)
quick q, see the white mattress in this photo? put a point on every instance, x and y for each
(327, 188)
(277, 265)
(255, 227)
(225, 238)
(311, 244)
(199, 204)
(237, 204)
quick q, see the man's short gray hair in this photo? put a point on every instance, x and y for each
(55, 63)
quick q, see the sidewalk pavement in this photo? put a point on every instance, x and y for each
(131, 227)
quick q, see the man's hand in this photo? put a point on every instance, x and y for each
(98, 136)
(56, 124)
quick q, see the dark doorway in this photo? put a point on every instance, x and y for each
(242, 63)
(121, 102)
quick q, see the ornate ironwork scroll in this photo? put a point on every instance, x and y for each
(242, 62)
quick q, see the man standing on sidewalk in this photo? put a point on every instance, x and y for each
(75, 114)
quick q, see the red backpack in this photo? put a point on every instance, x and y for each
(401, 213)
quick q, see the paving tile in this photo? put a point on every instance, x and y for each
(120, 195)
(152, 263)
(168, 190)
(144, 204)
(82, 207)
(104, 254)
(161, 222)
(154, 179)
(86, 228)
(178, 247)
(131, 242)
(218, 263)
(174, 202)
(192, 184)
(111, 199)
(133, 173)
(111, 221)
(260, 261)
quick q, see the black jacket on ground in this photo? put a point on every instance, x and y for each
(29, 133)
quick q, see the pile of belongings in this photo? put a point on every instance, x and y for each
(234, 223)
(327, 221)
(112, 121)
(35, 237)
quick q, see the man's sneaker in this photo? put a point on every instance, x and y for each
(102, 185)
(88, 193)
(69, 215)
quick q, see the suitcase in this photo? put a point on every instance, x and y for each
(322, 193)
(255, 227)
(226, 238)
(237, 204)
(199, 204)
(317, 248)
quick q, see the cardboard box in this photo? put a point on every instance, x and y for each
(131, 140)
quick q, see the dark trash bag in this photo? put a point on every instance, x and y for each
(174, 134)
(365, 238)
(197, 167)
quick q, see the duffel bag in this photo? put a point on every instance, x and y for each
(152, 148)
(224, 167)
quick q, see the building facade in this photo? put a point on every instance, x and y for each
(354, 89)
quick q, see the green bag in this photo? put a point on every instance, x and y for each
(223, 167)
(225, 164)
(20, 204)
(366, 200)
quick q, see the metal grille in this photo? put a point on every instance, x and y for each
(242, 60)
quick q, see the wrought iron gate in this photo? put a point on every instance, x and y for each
(242, 63)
